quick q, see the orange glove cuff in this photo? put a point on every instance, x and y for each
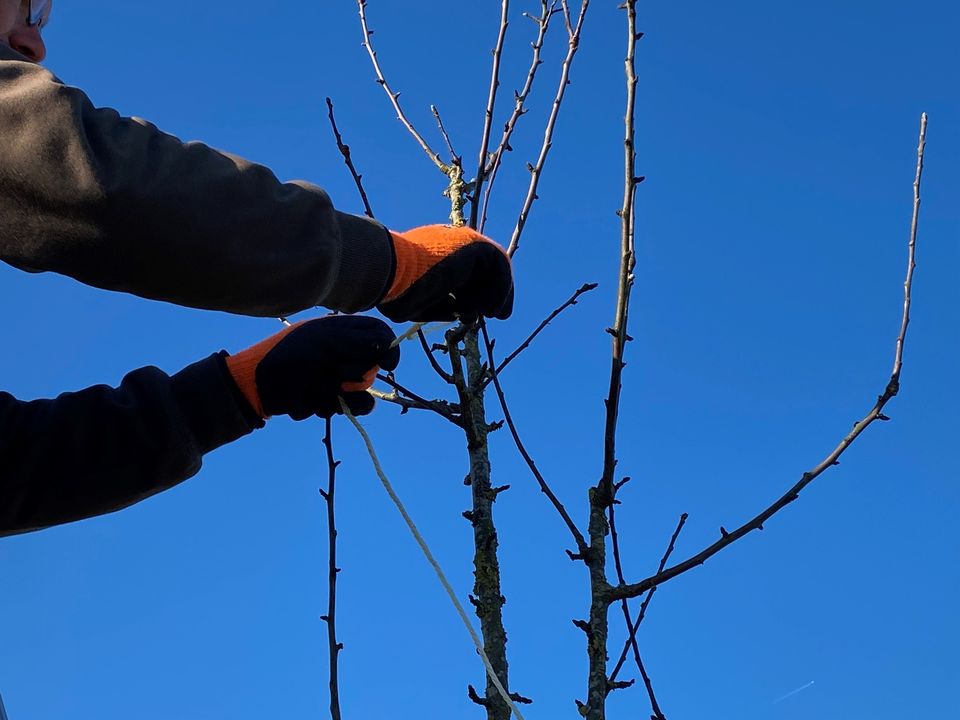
(420, 249)
(243, 367)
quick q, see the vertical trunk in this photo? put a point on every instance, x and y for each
(487, 597)
(595, 708)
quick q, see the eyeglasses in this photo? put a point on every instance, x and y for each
(36, 9)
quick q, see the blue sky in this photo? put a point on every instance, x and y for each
(779, 147)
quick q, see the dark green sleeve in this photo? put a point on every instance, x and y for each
(117, 204)
(101, 449)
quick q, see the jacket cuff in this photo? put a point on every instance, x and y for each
(366, 264)
(212, 405)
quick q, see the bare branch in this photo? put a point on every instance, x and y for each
(345, 151)
(602, 495)
(646, 601)
(876, 413)
(648, 684)
(911, 258)
(468, 373)
(624, 606)
(572, 300)
(627, 257)
(519, 99)
(395, 96)
(573, 44)
(544, 487)
(488, 114)
(331, 617)
(443, 408)
(492, 675)
(443, 132)
(445, 376)
(396, 398)
(567, 21)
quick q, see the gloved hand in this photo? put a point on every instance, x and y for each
(303, 369)
(444, 271)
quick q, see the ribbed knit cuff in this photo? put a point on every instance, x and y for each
(212, 405)
(366, 264)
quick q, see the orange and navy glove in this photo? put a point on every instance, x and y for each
(443, 272)
(304, 369)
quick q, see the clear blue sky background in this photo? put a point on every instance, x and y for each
(779, 148)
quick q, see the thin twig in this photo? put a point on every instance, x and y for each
(444, 375)
(648, 684)
(519, 99)
(544, 487)
(488, 114)
(395, 96)
(625, 607)
(627, 258)
(420, 330)
(573, 43)
(345, 151)
(331, 617)
(572, 300)
(441, 407)
(646, 601)
(911, 262)
(876, 413)
(432, 560)
(443, 132)
(396, 398)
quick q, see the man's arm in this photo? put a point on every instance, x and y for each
(101, 449)
(117, 204)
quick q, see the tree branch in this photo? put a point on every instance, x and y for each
(395, 96)
(602, 495)
(345, 151)
(331, 617)
(445, 376)
(488, 596)
(518, 105)
(646, 601)
(443, 408)
(573, 44)
(627, 259)
(544, 487)
(492, 675)
(876, 413)
(624, 606)
(443, 133)
(632, 640)
(488, 114)
(572, 300)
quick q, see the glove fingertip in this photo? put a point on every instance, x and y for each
(359, 403)
(390, 359)
(506, 309)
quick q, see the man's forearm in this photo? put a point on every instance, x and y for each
(102, 449)
(117, 204)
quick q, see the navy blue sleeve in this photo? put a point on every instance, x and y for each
(101, 449)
